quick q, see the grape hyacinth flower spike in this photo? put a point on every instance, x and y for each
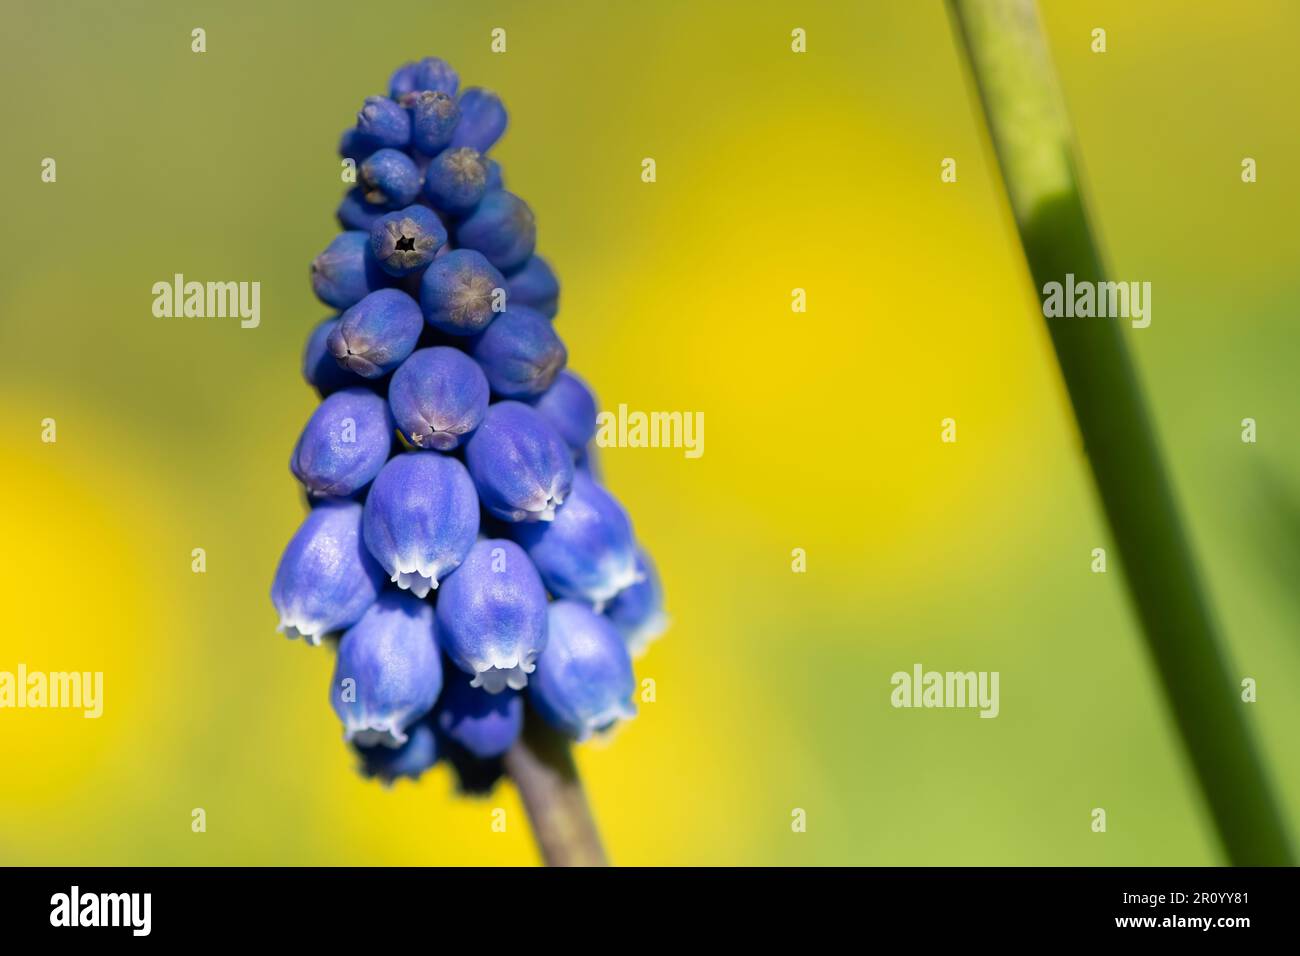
(446, 402)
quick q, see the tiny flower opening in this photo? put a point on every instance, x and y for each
(308, 632)
(418, 584)
(496, 679)
(376, 733)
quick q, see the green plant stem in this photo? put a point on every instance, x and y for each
(1030, 134)
(541, 765)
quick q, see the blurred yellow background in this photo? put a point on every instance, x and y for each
(775, 171)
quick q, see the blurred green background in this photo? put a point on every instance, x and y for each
(775, 171)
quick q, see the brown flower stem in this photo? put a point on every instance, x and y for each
(541, 765)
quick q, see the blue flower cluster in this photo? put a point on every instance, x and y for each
(458, 538)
